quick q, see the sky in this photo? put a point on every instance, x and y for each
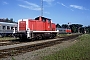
(60, 11)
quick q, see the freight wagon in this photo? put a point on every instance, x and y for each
(37, 28)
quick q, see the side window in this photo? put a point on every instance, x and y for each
(60, 30)
(11, 28)
(49, 20)
(15, 28)
(8, 27)
(0, 27)
(43, 20)
(4, 27)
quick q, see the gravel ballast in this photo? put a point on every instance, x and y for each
(38, 54)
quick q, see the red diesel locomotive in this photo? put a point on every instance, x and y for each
(37, 28)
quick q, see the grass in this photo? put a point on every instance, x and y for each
(78, 51)
(63, 35)
(7, 38)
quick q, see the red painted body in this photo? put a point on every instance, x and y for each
(53, 27)
(37, 24)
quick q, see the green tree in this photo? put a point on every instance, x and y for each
(6, 20)
(75, 27)
(87, 29)
(64, 26)
(11, 20)
(58, 26)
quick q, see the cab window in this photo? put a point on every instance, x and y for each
(8, 27)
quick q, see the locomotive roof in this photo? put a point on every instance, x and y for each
(37, 18)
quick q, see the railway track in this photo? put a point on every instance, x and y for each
(11, 42)
(31, 47)
(17, 41)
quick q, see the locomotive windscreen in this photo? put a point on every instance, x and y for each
(43, 19)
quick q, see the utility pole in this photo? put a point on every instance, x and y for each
(41, 7)
(68, 25)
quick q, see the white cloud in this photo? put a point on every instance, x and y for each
(31, 6)
(47, 12)
(5, 3)
(71, 9)
(49, 1)
(62, 4)
(78, 7)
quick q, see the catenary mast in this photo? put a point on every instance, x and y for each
(41, 7)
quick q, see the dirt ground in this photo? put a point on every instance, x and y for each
(38, 54)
